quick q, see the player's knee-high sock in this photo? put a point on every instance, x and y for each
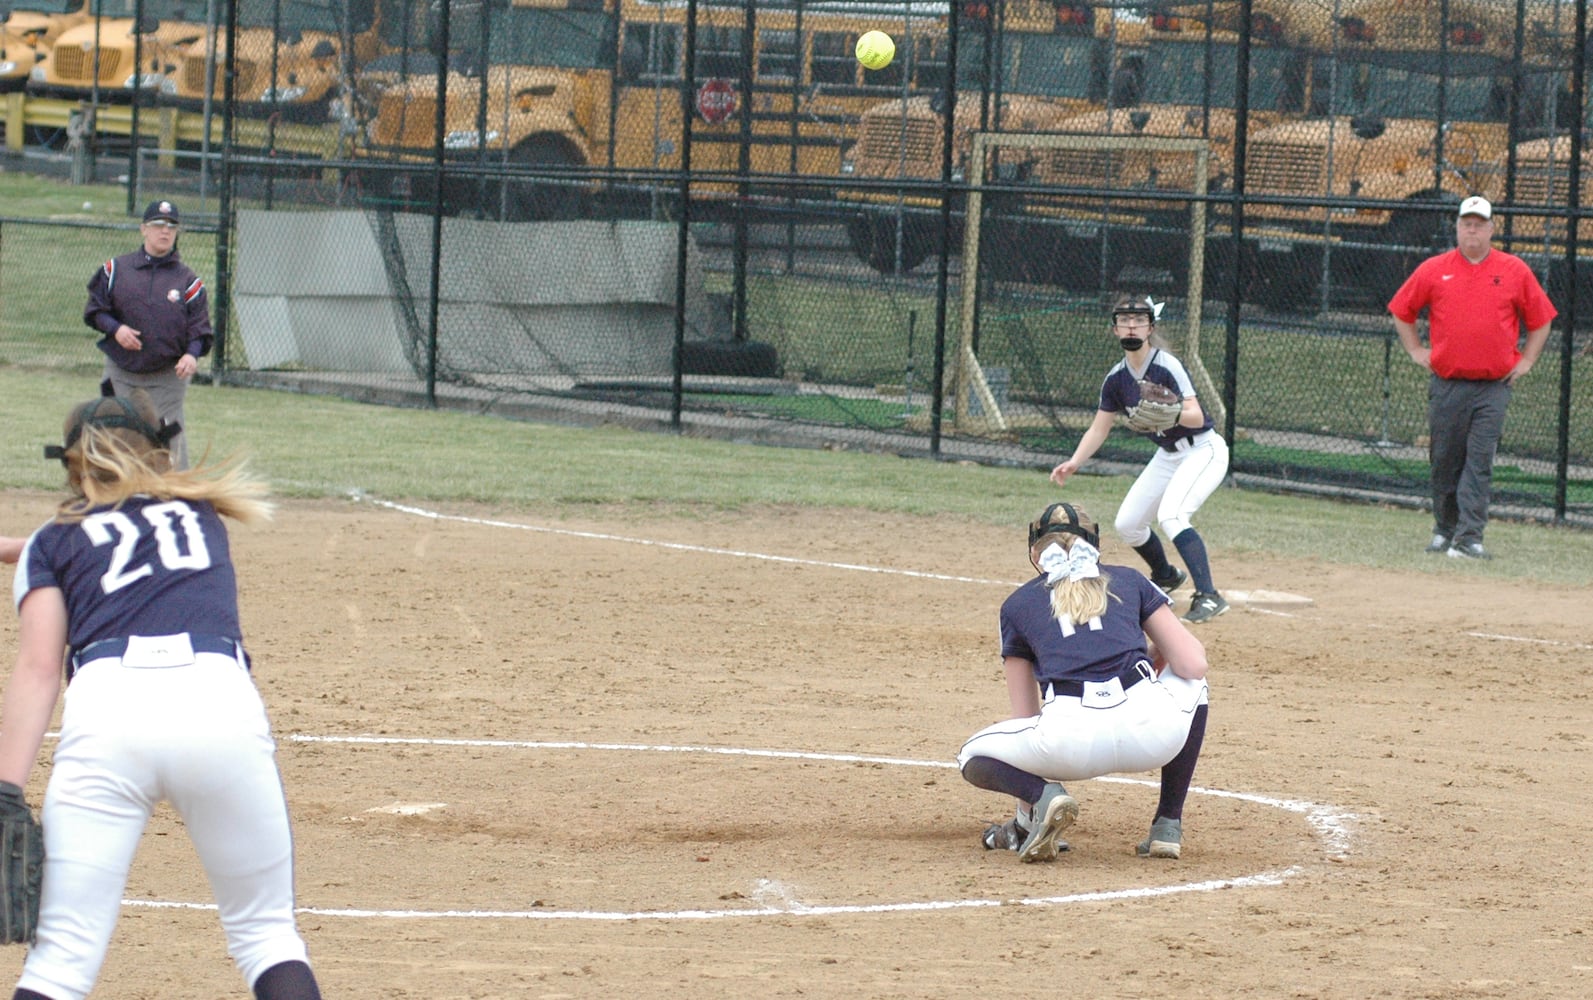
(291, 980)
(1154, 555)
(999, 776)
(1180, 771)
(1193, 548)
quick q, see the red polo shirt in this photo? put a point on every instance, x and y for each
(1474, 311)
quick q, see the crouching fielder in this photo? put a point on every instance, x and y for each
(133, 579)
(1090, 696)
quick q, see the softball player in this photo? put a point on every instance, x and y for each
(1089, 695)
(133, 578)
(1191, 460)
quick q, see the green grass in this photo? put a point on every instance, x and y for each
(317, 446)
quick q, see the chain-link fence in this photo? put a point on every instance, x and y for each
(714, 210)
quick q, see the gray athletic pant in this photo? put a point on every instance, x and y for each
(166, 391)
(1465, 419)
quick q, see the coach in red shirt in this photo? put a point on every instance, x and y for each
(1477, 300)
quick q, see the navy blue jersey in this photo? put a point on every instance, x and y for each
(1120, 390)
(149, 567)
(1091, 651)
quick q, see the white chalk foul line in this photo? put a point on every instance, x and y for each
(677, 546)
(1332, 826)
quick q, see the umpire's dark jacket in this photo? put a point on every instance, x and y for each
(160, 297)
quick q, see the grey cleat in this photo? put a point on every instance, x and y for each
(1054, 813)
(1165, 841)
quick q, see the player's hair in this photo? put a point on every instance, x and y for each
(1063, 524)
(116, 448)
(1135, 304)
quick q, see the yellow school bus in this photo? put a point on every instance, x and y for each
(97, 56)
(1187, 91)
(598, 83)
(1379, 138)
(1022, 67)
(27, 27)
(294, 56)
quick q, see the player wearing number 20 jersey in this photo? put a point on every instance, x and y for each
(148, 567)
(133, 577)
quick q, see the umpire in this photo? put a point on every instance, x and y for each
(154, 319)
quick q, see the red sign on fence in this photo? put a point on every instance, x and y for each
(717, 100)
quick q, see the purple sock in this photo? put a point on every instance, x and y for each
(999, 776)
(1180, 771)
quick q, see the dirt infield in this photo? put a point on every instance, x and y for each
(554, 792)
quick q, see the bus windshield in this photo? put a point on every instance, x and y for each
(536, 36)
(301, 15)
(161, 10)
(1176, 74)
(1040, 66)
(45, 6)
(1408, 88)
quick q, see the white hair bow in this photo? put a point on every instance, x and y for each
(1155, 307)
(1080, 562)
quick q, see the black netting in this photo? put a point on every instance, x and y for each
(715, 212)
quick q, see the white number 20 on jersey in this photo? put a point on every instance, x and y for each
(179, 541)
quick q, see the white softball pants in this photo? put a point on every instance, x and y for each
(1068, 741)
(1172, 487)
(196, 736)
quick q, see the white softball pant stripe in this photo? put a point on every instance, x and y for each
(1069, 742)
(197, 737)
(1172, 487)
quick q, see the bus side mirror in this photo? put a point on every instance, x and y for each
(633, 60)
(147, 25)
(1126, 90)
(1368, 126)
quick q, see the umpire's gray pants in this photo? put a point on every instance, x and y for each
(1465, 419)
(166, 391)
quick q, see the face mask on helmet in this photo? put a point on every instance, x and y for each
(1060, 518)
(111, 411)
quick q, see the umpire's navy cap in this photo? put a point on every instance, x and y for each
(161, 210)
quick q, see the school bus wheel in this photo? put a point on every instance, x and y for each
(873, 239)
(545, 199)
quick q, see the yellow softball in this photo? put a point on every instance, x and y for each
(875, 50)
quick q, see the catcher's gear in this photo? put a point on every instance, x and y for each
(21, 867)
(1158, 408)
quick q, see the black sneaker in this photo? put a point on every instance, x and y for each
(1439, 544)
(1205, 607)
(1170, 580)
(1468, 550)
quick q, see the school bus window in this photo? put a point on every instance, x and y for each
(929, 62)
(833, 59)
(718, 51)
(777, 55)
(1394, 91)
(1054, 66)
(536, 36)
(304, 15)
(889, 78)
(652, 52)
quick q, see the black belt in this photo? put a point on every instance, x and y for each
(1141, 670)
(117, 648)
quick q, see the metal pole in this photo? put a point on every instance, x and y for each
(439, 126)
(688, 88)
